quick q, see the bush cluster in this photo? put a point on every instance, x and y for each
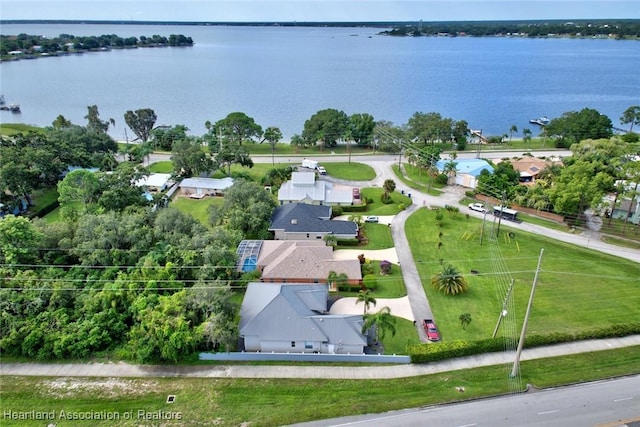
(423, 353)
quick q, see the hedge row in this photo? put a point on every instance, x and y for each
(347, 242)
(41, 211)
(422, 353)
(355, 208)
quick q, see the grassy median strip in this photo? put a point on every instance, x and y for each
(270, 402)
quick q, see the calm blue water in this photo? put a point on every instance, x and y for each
(282, 76)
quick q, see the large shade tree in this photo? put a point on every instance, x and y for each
(141, 122)
(95, 123)
(326, 127)
(575, 126)
(163, 137)
(237, 128)
(247, 207)
(361, 128)
(429, 128)
(631, 117)
(189, 159)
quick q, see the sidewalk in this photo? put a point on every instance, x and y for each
(317, 372)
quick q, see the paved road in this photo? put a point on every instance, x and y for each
(602, 403)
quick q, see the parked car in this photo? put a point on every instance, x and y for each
(431, 329)
(371, 219)
(478, 207)
(321, 170)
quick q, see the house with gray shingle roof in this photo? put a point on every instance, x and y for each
(300, 221)
(293, 318)
(303, 188)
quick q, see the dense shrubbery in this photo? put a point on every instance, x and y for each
(423, 353)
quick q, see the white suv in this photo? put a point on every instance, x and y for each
(478, 207)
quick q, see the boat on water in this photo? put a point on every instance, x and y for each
(540, 121)
(14, 108)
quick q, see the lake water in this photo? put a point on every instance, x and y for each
(281, 76)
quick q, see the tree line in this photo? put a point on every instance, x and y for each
(34, 44)
(621, 28)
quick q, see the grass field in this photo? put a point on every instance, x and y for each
(271, 402)
(578, 289)
(350, 171)
(379, 236)
(165, 166)
(376, 207)
(197, 208)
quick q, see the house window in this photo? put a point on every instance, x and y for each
(318, 236)
(308, 345)
(293, 343)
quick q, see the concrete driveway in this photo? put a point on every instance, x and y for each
(382, 219)
(400, 307)
(377, 255)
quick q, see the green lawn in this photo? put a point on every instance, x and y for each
(350, 171)
(578, 289)
(165, 166)
(376, 207)
(197, 208)
(9, 129)
(378, 235)
(256, 173)
(390, 286)
(405, 334)
(417, 178)
(269, 402)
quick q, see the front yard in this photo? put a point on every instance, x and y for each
(578, 289)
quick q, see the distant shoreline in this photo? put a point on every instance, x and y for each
(373, 24)
(605, 29)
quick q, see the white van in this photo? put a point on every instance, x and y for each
(311, 164)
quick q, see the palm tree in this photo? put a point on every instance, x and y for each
(389, 187)
(526, 136)
(365, 297)
(465, 319)
(449, 280)
(450, 169)
(332, 278)
(379, 323)
(330, 240)
(512, 129)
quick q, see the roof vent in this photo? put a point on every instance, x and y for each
(294, 221)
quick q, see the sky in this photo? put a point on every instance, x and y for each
(317, 10)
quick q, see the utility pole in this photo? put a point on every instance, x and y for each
(516, 363)
(503, 312)
(484, 219)
(502, 202)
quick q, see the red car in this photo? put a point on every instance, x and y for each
(431, 330)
